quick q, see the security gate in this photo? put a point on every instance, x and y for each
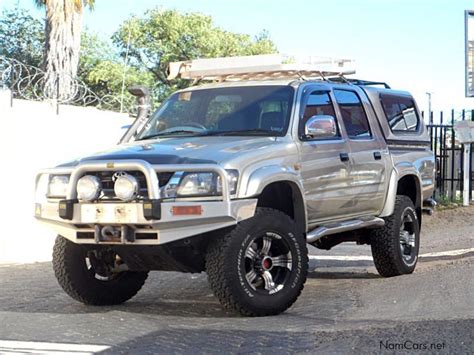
(449, 158)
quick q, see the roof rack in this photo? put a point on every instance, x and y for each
(362, 82)
(260, 67)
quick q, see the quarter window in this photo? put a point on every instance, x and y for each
(401, 113)
(353, 114)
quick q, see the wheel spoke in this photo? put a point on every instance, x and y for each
(268, 279)
(404, 237)
(251, 276)
(250, 253)
(267, 244)
(282, 261)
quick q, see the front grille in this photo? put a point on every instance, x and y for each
(107, 181)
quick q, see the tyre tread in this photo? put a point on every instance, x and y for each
(384, 250)
(220, 283)
(94, 294)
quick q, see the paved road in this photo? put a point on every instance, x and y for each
(343, 309)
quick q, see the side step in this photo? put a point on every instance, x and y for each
(345, 226)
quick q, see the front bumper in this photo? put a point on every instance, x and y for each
(128, 219)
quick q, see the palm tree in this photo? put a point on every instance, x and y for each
(62, 44)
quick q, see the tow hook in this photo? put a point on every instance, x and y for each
(117, 234)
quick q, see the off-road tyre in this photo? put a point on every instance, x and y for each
(227, 260)
(386, 245)
(79, 282)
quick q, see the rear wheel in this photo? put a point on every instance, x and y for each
(94, 276)
(260, 267)
(395, 246)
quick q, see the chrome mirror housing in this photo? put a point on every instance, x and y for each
(320, 126)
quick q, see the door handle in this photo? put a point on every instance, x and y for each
(377, 155)
(344, 156)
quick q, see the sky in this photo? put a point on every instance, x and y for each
(414, 45)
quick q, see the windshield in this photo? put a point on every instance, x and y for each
(249, 110)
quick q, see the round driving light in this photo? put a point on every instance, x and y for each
(126, 187)
(88, 188)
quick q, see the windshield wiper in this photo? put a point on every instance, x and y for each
(244, 132)
(170, 133)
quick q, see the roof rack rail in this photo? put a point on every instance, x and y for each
(260, 67)
(362, 82)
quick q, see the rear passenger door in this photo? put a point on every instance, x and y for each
(368, 155)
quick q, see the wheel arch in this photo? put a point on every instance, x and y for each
(407, 183)
(287, 197)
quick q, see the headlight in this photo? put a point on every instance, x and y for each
(58, 185)
(197, 184)
(200, 184)
(89, 188)
(126, 187)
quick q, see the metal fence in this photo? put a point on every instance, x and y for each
(449, 155)
(28, 82)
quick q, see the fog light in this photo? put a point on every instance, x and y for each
(126, 187)
(89, 188)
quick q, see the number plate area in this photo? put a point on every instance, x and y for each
(111, 213)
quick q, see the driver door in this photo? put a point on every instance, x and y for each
(325, 167)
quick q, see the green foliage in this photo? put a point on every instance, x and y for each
(164, 36)
(156, 39)
(103, 71)
(21, 36)
(447, 202)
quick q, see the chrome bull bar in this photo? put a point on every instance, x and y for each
(148, 170)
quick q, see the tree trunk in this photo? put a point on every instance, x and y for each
(63, 40)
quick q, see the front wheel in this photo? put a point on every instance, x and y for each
(94, 276)
(395, 246)
(260, 267)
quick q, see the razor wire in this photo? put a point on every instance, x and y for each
(28, 82)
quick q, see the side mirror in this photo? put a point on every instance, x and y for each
(320, 126)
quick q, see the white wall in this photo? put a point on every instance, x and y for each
(32, 137)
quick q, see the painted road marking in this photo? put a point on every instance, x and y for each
(341, 257)
(33, 347)
(438, 254)
(448, 253)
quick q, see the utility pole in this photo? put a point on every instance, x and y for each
(429, 106)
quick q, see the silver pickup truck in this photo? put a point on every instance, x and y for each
(235, 179)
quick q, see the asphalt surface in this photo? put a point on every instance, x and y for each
(345, 308)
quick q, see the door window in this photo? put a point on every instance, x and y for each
(353, 114)
(319, 103)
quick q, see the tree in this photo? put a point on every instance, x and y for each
(21, 36)
(105, 73)
(164, 36)
(62, 44)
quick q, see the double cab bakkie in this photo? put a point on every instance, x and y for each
(235, 178)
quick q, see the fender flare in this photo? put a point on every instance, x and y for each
(395, 177)
(264, 176)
